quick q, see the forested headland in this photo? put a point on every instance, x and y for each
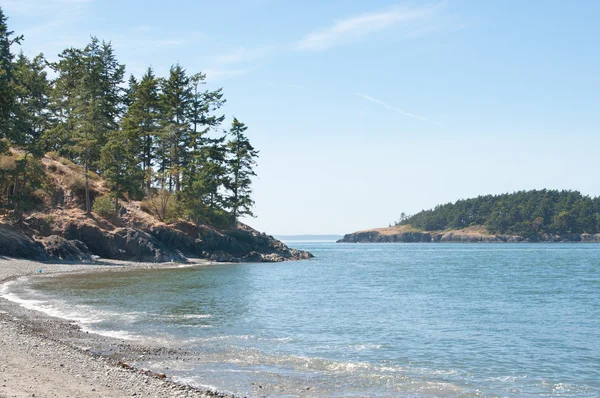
(536, 215)
(135, 168)
(155, 138)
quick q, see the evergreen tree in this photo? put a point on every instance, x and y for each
(202, 197)
(7, 95)
(143, 117)
(176, 98)
(242, 159)
(64, 95)
(30, 117)
(96, 107)
(119, 165)
(156, 133)
(32, 90)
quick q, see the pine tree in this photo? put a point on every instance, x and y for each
(7, 95)
(32, 90)
(175, 98)
(30, 118)
(242, 159)
(143, 117)
(119, 165)
(202, 196)
(96, 106)
(64, 94)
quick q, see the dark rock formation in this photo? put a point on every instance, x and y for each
(460, 237)
(376, 237)
(79, 239)
(14, 243)
(130, 244)
(174, 243)
(59, 248)
(242, 244)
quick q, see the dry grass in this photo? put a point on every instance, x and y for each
(394, 230)
(477, 230)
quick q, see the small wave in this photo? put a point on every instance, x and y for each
(365, 347)
(193, 316)
(117, 334)
(82, 315)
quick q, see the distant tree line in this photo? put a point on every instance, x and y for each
(525, 213)
(159, 139)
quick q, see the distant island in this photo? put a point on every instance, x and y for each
(523, 216)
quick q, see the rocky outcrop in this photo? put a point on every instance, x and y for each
(14, 243)
(81, 238)
(590, 238)
(374, 236)
(59, 248)
(129, 244)
(237, 245)
(377, 237)
(458, 237)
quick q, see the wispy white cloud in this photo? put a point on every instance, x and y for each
(401, 111)
(355, 28)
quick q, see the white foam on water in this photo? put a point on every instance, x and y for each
(189, 381)
(193, 316)
(80, 314)
(365, 347)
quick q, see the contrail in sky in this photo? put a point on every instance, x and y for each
(368, 98)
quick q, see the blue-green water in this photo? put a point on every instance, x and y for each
(362, 320)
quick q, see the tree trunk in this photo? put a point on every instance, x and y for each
(88, 207)
(117, 196)
(149, 160)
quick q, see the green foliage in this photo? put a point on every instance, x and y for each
(120, 166)
(241, 170)
(7, 94)
(23, 183)
(160, 138)
(32, 89)
(525, 213)
(163, 205)
(104, 206)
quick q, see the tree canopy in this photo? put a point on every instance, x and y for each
(524, 213)
(158, 139)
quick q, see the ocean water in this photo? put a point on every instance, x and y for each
(418, 320)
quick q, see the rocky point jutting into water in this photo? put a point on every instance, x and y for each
(59, 229)
(467, 235)
(524, 216)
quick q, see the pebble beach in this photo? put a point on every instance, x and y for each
(44, 356)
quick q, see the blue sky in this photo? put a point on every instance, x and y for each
(363, 110)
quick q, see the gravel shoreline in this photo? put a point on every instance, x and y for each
(42, 356)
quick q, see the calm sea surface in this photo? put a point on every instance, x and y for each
(361, 319)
